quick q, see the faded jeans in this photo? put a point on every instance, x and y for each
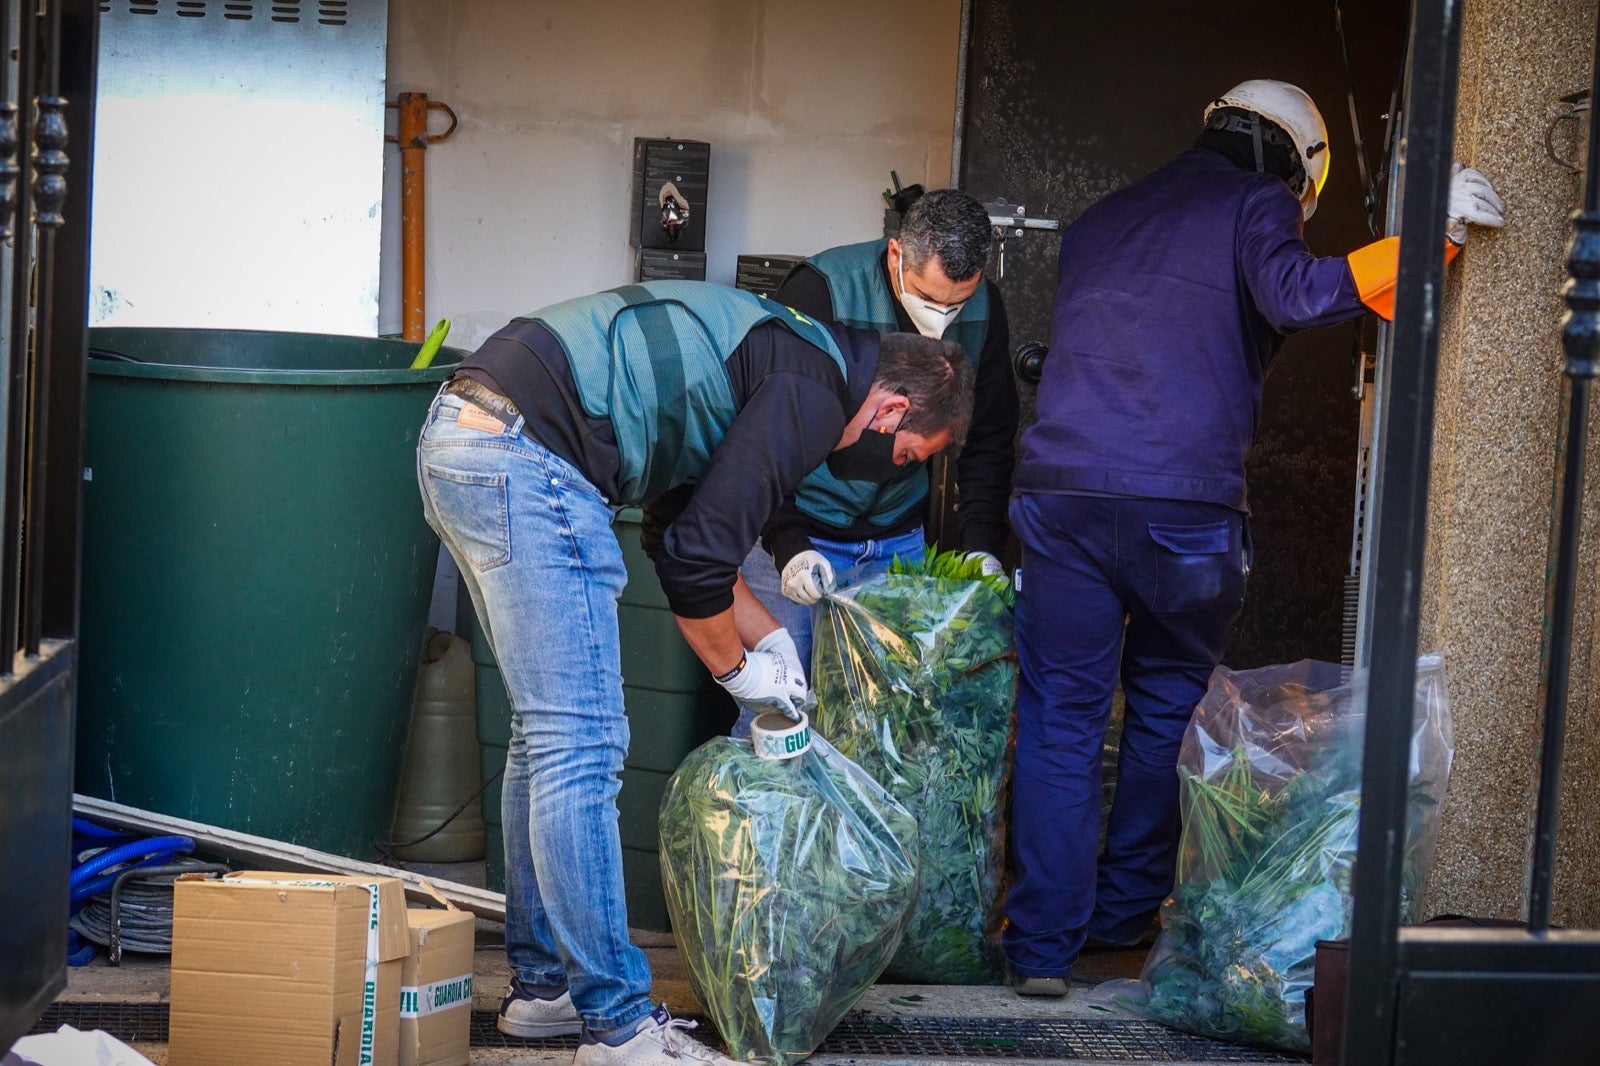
(533, 540)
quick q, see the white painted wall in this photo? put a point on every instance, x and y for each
(807, 105)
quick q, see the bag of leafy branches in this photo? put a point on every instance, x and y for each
(915, 677)
(788, 882)
(1270, 790)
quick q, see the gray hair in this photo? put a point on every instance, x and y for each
(948, 225)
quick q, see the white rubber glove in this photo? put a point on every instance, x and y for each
(1472, 201)
(808, 577)
(989, 566)
(780, 643)
(766, 683)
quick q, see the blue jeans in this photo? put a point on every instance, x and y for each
(533, 540)
(1144, 589)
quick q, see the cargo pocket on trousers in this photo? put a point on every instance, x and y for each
(475, 515)
(1195, 566)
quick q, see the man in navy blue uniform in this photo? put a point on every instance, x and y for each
(1174, 295)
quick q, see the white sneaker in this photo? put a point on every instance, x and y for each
(526, 1015)
(659, 1039)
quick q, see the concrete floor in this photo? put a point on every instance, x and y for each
(147, 979)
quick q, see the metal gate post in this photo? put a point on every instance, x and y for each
(49, 50)
(1401, 474)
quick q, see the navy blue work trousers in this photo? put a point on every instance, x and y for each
(1146, 589)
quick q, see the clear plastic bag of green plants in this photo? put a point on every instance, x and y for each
(1270, 790)
(789, 883)
(915, 676)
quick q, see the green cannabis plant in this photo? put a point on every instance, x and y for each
(915, 676)
(1270, 793)
(789, 884)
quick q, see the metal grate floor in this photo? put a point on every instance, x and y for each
(1030, 1038)
(858, 1035)
(143, 1023)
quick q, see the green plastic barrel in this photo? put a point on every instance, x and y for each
(256, 577)
(673, 707)
(494, 739)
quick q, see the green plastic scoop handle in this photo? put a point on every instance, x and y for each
(431, 346)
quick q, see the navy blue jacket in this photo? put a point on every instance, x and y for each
(1175, 293)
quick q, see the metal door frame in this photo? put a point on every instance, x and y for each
(1460, 996)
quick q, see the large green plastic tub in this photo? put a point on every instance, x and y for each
(257, 575)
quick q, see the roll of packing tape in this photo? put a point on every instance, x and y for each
(777, 736)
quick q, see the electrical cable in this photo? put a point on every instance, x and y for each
(1369, 180)
(144, 911)
(109, 853)
(1391, 120)
(1368, 184)
(385, 846)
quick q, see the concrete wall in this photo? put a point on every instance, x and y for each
(1496, 451)
(807, 105)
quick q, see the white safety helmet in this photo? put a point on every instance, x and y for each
(1289, 107)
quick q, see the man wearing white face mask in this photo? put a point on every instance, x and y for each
(927, 280)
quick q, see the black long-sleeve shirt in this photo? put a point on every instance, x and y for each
(793, 406)
(984, 467)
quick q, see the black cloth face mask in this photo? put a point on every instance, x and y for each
(870, 458)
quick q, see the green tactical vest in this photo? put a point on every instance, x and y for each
(854, 274)
(651, 358)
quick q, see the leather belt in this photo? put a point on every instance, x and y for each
(480, 395)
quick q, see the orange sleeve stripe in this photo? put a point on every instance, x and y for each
(1375, 268)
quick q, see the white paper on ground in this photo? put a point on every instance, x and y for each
(70, 1047)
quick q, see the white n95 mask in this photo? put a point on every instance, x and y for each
(931, 319)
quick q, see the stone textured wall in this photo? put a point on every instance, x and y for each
(1499, 426)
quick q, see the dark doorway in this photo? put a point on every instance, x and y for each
(1067, 102)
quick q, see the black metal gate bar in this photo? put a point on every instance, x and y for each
(1580, 337)
(41, 474)
(1401, 473)
(11, 540)
(49, 181)
(77, 49)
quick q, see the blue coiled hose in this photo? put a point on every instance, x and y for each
(118, 852)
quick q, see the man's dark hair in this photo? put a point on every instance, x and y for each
(935, 375)
(950, 226)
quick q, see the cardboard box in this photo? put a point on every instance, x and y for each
(286, 969)
(436, 989)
